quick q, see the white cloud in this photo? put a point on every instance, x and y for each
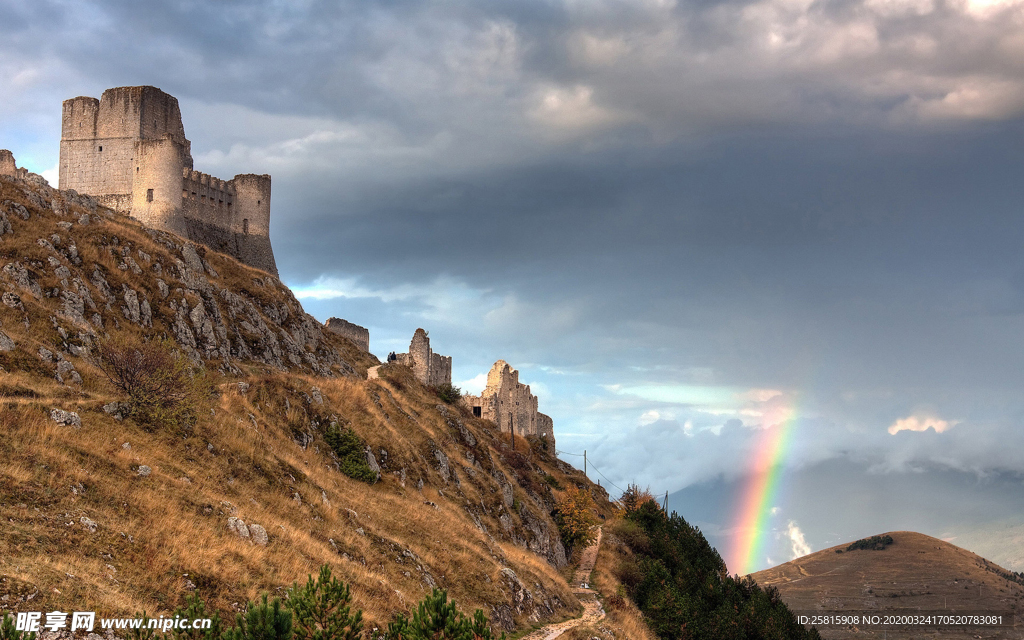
(564, 110)
(796, 538)
(920, 423)
(474, 385)
(647, 417)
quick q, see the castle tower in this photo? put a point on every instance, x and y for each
(128, 150)
(8, 167)
(430, 368)
(119, 149)
(510, 405)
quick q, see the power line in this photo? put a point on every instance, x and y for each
(594, 467)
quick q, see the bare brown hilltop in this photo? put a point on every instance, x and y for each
(915, 572)
(104, 512)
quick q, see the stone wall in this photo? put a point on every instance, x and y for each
(8, 167)
(430, 368)
(359, 335)
(509, 404)
(128, 150)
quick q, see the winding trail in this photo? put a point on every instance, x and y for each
(592, 611)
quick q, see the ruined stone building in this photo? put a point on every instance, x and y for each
(128, 150)
(8, 167)
(510, 405)
(359, 335)
(429, 368)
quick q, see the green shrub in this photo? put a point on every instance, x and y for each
(195, 609)
(681, 585)
(553, 481)
(438, 619)
(8, 632)
(351, 452)
(161, 387)
(448, 392)
(322, 609)
(262, 621)
(875, 543)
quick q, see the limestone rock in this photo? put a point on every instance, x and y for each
(66, 418)
(13, 301)
(114, 409)
(372, 463)
(89, 524)
(144, 471)
(259, 535)
(191, 258)
(131, 299)
(66, 373)
(20, 276)
(6, 343)
(442, 464)
(237, 527)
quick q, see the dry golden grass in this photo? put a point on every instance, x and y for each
(159, 536)
(623, 618)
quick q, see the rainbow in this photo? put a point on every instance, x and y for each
(760, 493)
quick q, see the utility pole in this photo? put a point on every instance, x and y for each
(584, 462)
(665, 508)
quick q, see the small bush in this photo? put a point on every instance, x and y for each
(8, 632)
(575, 518)
(632, 534)
(875, 543)
(262, 621)
(195, 609)
(448, 392)
(322, 609)
(438, 619)
(634, 497)
(553, 481)
(351, 452)
(162, 388)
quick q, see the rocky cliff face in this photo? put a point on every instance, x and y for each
(251, 497)
(89, 270)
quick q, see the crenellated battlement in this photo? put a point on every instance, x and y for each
(128, 149)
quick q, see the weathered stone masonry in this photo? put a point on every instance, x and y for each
(429, 368)
(8, 167)
(510, 405)
(128, 150)
(359, 335)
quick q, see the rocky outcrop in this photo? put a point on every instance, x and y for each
(160, 282)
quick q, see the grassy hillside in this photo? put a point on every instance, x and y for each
(914, 571)
(118, 516)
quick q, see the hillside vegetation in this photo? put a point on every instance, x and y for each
(681, 584)
(249, 490)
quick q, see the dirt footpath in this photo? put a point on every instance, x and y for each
(592, 611)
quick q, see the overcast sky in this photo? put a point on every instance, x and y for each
(684, 222)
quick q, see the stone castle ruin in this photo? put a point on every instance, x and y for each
(430, 368)
(510, 405)
(8, 167)
(358, 335)
(129, 151)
